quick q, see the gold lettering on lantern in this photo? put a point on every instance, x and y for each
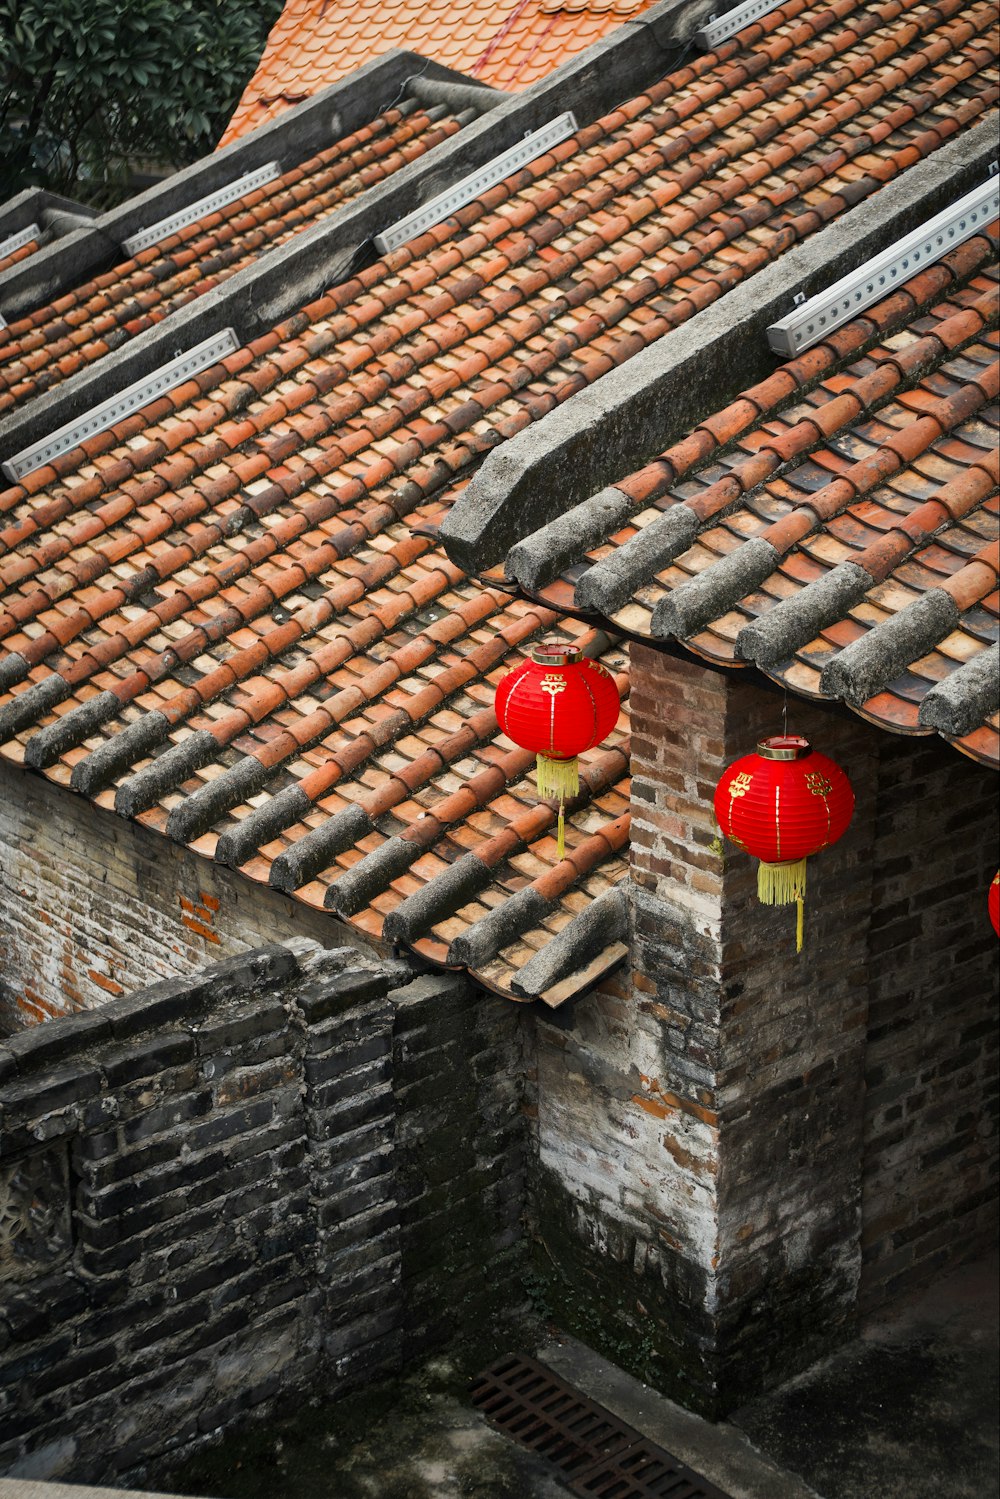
(740, 785)
(818, 783)
(552, 683)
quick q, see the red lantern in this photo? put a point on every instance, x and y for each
(559, 703)
(993, 901)
(782, 804)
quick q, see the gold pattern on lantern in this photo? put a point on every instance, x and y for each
(553, 683)
(818, 784)
(740, 785)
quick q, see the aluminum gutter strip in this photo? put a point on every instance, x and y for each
(853, 293)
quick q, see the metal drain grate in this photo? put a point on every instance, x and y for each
(597, 1456)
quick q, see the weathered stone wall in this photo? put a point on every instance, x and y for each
(705, 1161)
(93, 906)
(930, 1184)
(226, 1188)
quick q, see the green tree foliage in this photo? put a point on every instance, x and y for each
(89, 86)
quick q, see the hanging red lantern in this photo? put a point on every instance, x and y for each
(993, 901)
(559, 703)
(782, 804)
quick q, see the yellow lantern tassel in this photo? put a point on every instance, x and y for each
(781, 884)
(561, 834)
(784, 885)
(559, 779)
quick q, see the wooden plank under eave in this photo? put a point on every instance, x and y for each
(585, 978)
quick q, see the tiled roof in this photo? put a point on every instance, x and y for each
(21, 253)
(41, 349)
(836, 525)
(315, 42)
(231, 617)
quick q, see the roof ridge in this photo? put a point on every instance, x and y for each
(607, 583)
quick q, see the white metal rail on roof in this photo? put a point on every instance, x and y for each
(721, 28)
(19, 240)
(132, 398)
(830, 309)
(221, 198)
(470, 187)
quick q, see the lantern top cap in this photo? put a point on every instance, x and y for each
(555, 653)
(784, 747)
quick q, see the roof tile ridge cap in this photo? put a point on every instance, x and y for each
(868, 664)
(604, 920)
(959, 703)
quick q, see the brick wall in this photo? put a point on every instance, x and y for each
(930, 1183)
(707, 1160)
(92, 906)
(225, 1188)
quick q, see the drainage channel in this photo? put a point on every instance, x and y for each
(596, 1455)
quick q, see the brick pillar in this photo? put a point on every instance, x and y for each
(775, 1041)
(700, 1134)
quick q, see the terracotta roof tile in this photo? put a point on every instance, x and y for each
(315, 42)
(231, 617)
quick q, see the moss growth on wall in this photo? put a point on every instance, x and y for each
(643, 1323)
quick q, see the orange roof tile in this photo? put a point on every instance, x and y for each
(21, 253)
(231, 618)
(507, 45)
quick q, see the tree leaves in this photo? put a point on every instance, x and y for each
(89, 86)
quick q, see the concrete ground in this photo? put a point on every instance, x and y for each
(908, 1411)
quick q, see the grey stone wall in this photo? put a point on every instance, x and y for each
(292, 1169)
